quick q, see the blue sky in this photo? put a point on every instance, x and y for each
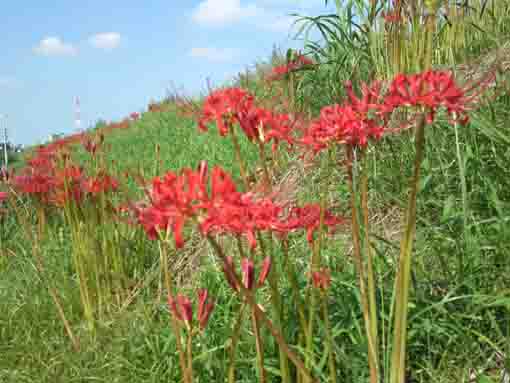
(119, 55)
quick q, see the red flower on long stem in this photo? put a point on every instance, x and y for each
(182, 309)
(247, 272)
(308, 217)
(430, 89)
(321, 279)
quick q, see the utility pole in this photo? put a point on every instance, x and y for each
(77, 114)
(6, 156)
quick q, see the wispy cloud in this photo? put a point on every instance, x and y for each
(54, 46)
(221, 12)
(213, 54)
(105, 41)
(269, 15)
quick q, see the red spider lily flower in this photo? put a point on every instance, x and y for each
(321, 279)
(3, 196)
(224, 106)
(172, 305)
(203, 169)
(228, 264)
(266, 269)
(102, 183)
(247, 273)
(343, 125)
(185, 307)
(182, 309)
(392, 17)
(239, 214)
(91, 146)
(297, 63)
(205, 308)
(38, 185)
(174, 199)
(430, 89)
(308, 217)
(354, 123)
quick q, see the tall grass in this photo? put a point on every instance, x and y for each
(458, 316)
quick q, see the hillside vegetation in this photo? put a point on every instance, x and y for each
(338, 272)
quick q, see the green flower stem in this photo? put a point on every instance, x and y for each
(275, 300)
(465, 201)
(259, 346)
(356, 238)
(397, 372)
(175, 326)
(263, 160)
(291, 275)
(329, 339)
(235, 338)
(237, 150)
(189, 352)
(260, 312)
(398, 357)
(370, 261)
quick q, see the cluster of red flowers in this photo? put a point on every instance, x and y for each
(182, 310)
(298, 62)
(431, 90)
(231, 106)
(361, 119)
(179, 198)
(52, 184)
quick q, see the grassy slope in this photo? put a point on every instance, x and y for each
(458, 320)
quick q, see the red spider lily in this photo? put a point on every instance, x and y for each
(229, 211)
(392, 17)
(173, 200)
(299, 62)
(308, 217)
(344, 125)
(38, 185)
(3, 196)
(92, 146)
(224, 106)
(353, 123)
(102, 183)
(205, 307)
(247, 273)
(321, 279)
(67, 185)
(182, 309)
(432, 90)
(240, 214)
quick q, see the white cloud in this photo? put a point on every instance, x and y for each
(54, 46)
(213, 54)
(106, 41)
(220, 12)
(302, 4)
(278, 24)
